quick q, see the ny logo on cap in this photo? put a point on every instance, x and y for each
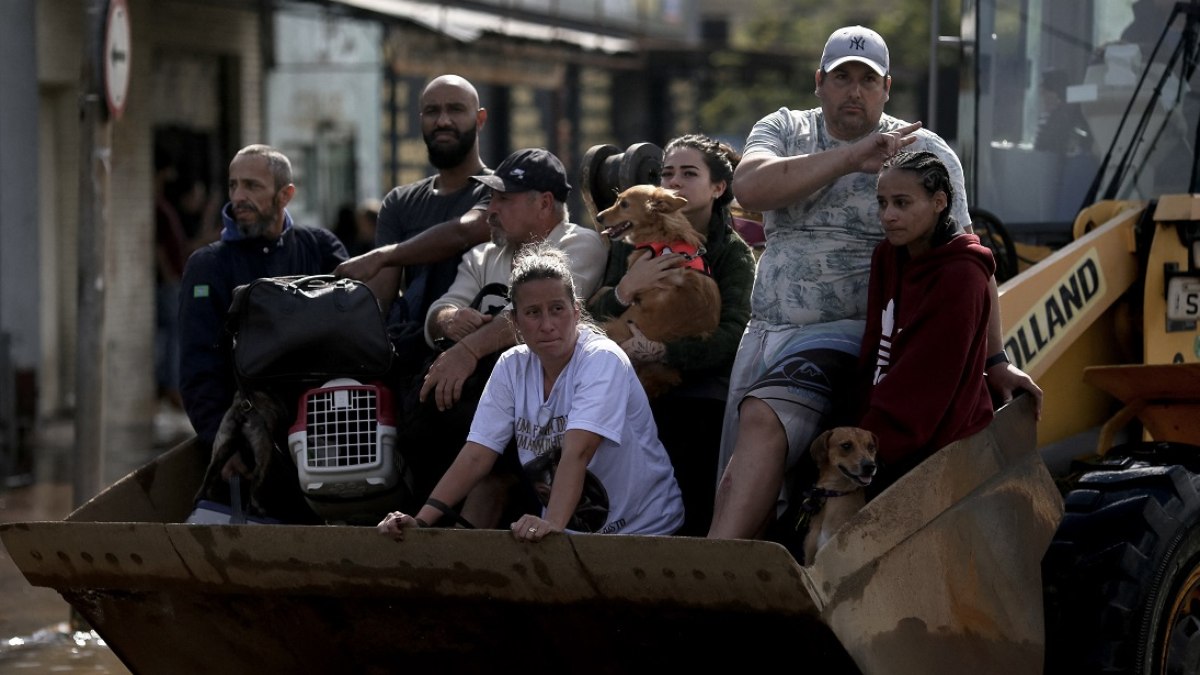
(517, 173)
(859, 43)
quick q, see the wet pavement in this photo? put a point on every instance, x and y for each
(38, 633)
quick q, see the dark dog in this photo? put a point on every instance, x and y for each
(245, 440)
(845, 458)
(688, 304)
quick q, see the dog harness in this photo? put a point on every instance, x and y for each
(693, 255)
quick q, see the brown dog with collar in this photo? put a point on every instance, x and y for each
(688, 303)
(845, 458)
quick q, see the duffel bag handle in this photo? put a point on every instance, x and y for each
(319, 281)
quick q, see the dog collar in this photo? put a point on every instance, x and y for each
(814, 498)
(812, 503)
(823, 493)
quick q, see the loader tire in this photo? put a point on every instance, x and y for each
(1122, 576)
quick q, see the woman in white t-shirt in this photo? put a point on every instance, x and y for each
(582, 424)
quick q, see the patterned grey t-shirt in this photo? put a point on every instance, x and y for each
(818, 254)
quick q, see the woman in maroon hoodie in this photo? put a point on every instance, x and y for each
(925, 344)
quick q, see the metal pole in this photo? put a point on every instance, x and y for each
(94, 155)
(935, 28)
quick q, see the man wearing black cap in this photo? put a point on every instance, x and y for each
(812, 173)
(528, 194)
(529, 191)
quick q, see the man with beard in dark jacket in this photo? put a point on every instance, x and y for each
(258, 240)
(426, 226)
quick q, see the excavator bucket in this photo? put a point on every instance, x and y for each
(939, 572)
(178, 598)
(942, 572)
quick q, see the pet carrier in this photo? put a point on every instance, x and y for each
(344, 444)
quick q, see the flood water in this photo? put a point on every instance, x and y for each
(37, 633)
(58, 649)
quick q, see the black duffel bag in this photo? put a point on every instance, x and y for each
(307, 328)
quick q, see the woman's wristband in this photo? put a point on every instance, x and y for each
(618, 298)
(435, 504)
(996, 359)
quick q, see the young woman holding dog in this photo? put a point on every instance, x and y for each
(699, 169)
(572, 403)
(924, 350)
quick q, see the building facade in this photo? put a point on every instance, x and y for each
(333, 84)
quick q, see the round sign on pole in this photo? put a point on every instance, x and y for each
(116, 57)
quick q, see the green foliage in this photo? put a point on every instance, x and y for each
(742, 94)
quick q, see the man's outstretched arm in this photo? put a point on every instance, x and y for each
(764, 182)
(380, 268)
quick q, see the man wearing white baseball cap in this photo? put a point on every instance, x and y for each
(855, 43)
(812, 174)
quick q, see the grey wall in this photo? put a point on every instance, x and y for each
(19, 288)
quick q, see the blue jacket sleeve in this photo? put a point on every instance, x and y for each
(205, 368)
(333, 251)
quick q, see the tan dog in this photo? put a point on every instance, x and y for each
(845, 459)
(688, 304)
(250, 425)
